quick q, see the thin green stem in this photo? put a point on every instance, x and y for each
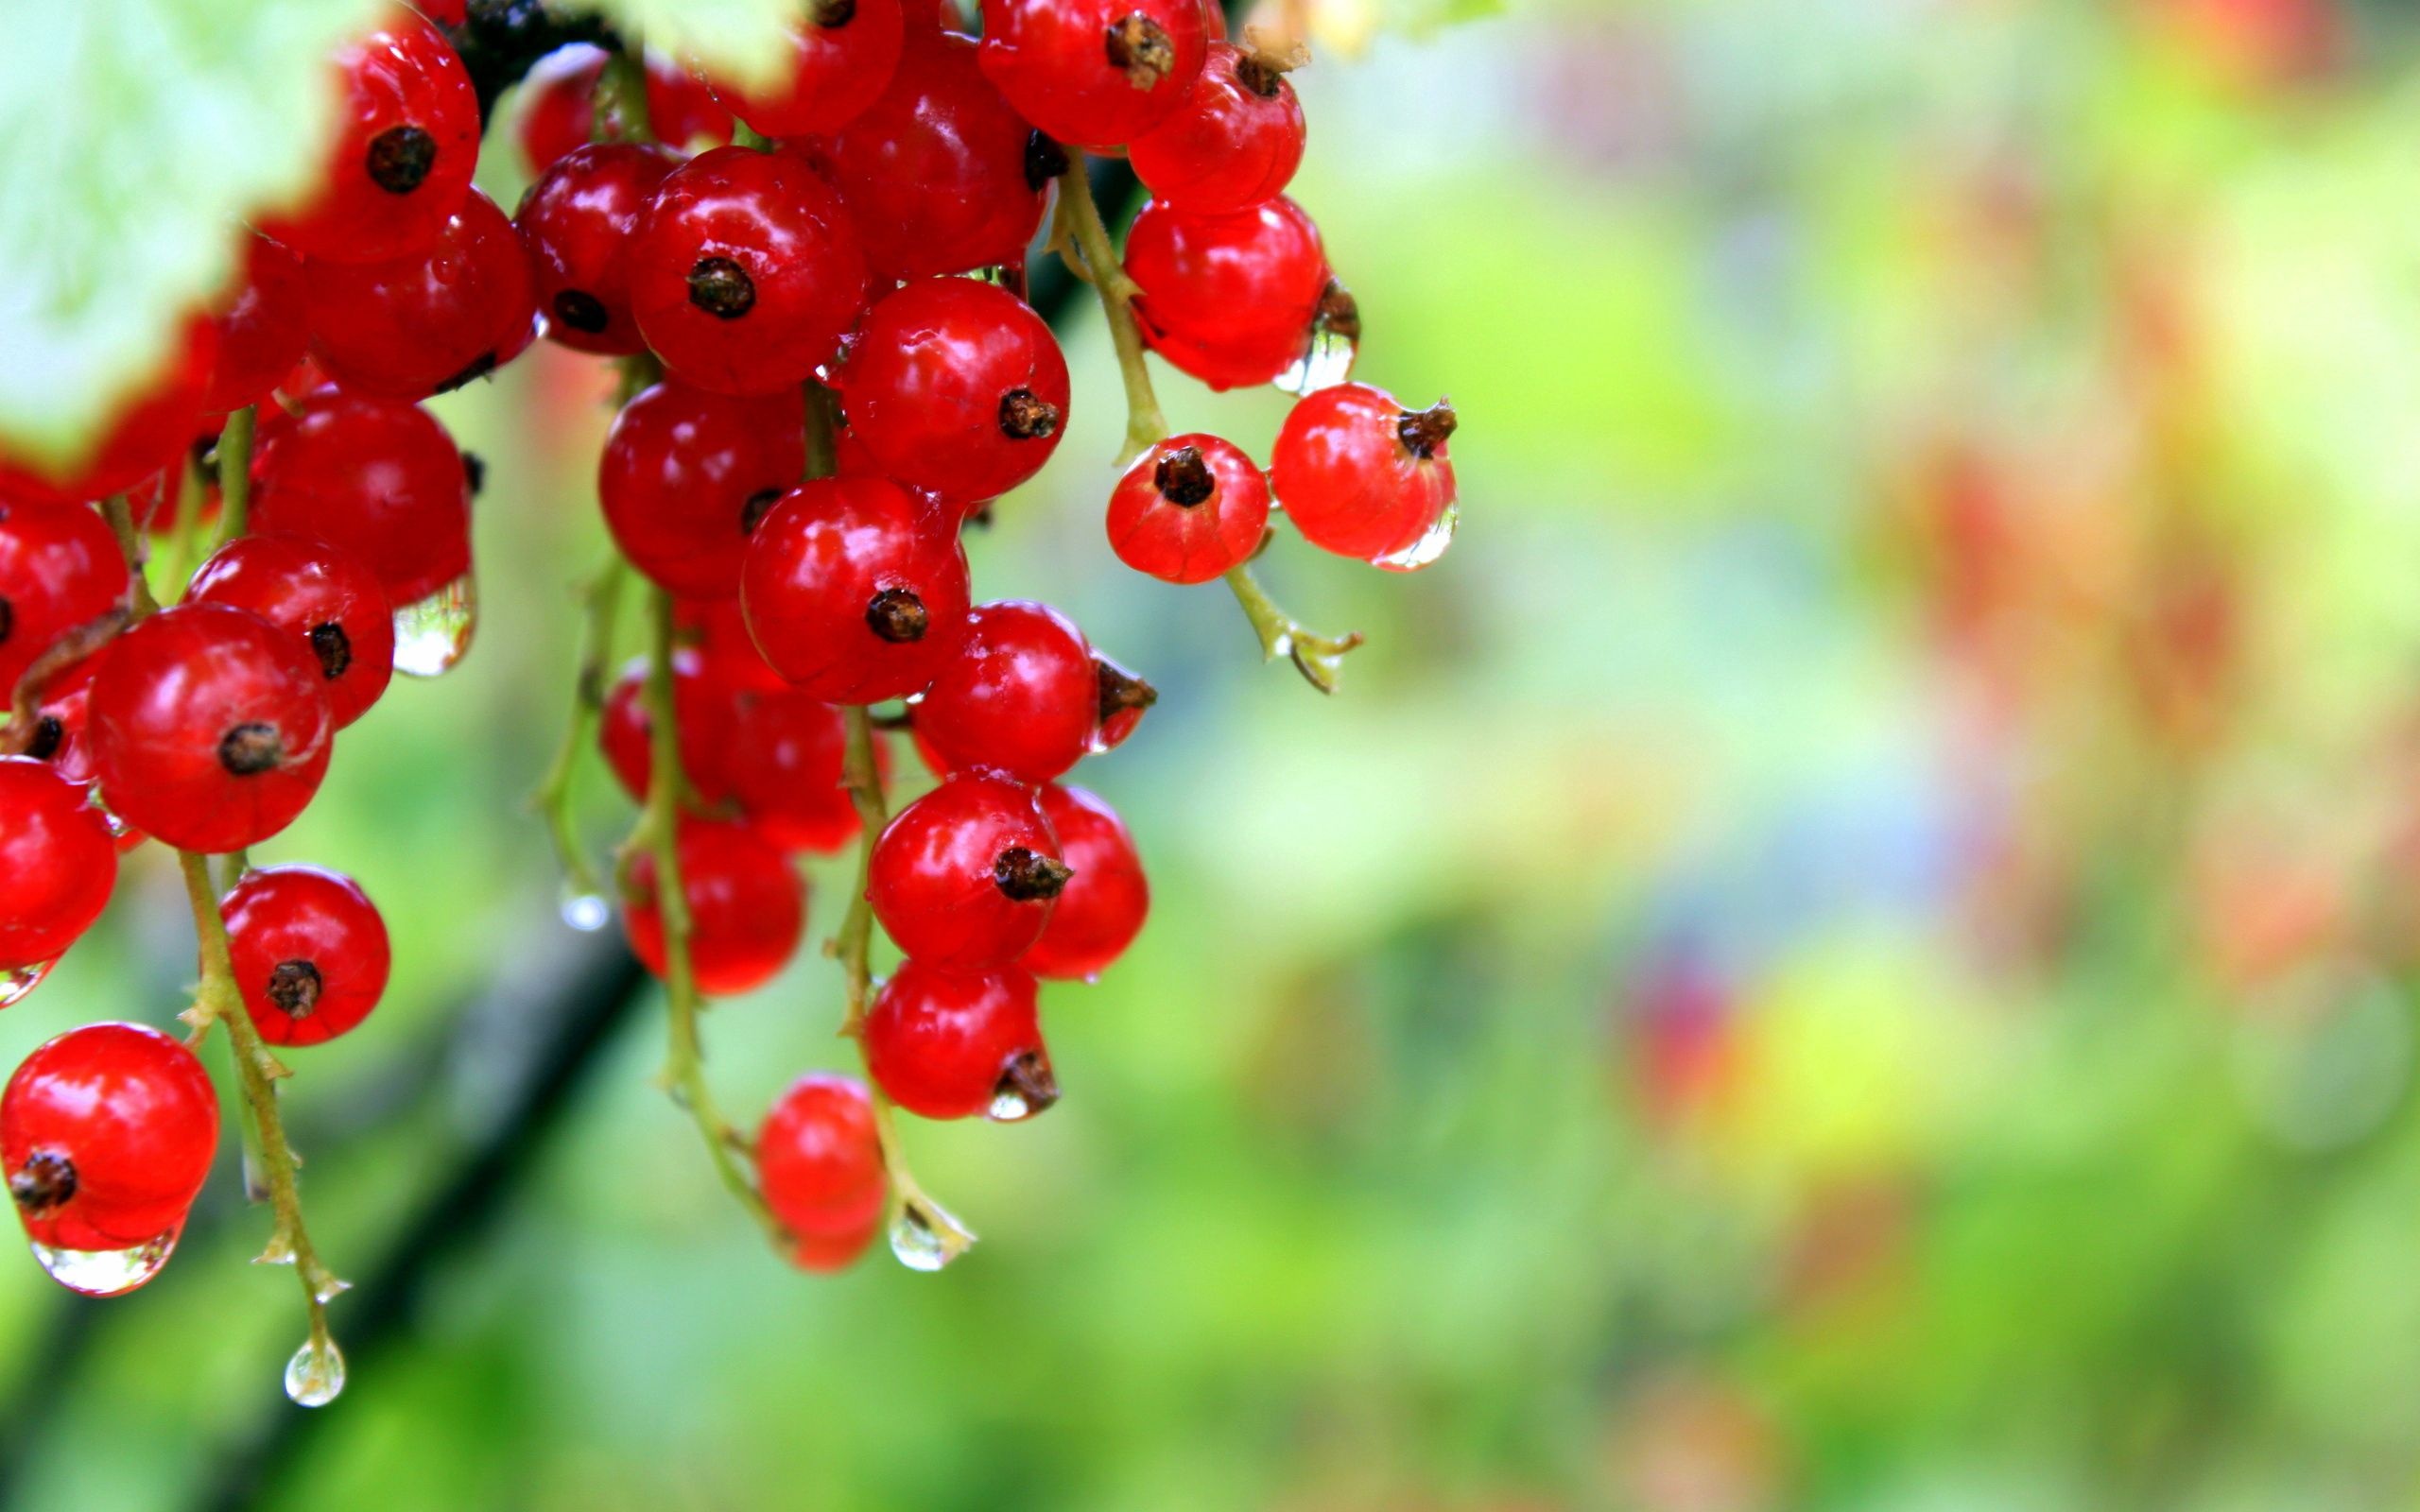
(130, 543)
(600, 612)
(1319, 658)
(235, 475)
(184, 528)
(621, 108)
(823, 425)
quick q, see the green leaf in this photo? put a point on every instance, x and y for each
(742, 41)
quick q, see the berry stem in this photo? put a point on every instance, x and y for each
(600, 609)
(121, 521)
(620, 111)
(235, 475)
(1319, 658)
(184, 528)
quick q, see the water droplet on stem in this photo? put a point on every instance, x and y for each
(432, 635)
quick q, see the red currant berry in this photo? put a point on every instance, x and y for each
(747, 907)
(1362, 476)
(1188, 510)
(688, 475)
(705, 704)
(262, 323)
(324, 596)
(786, 762)
(558, 106)
(378, 479)
(1019, 698)
(965, 876)
(150, 429)
(719, 632)
(745, 272)
(1098, 73)
(210, 727)
(309, 950)
(59, 568)
(956, 387)
(108, 1132)
(1103, 905)
(1229, 298)
(946, 1041)
(57, 863)
(430, 321)
(817, 1159)
(1233, 144)
(826, 1253)
(1214, 20)
(1125, 698)
(409, 139)
(842, 55)
(579, 221)
(853, 592)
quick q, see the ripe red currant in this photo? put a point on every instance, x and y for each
(719, 632)
(946, 1041)
(786, 762)
(309, 950)
(817, 1159)
(705, 707)
(324, 596)
(106, 1132)
(1125, 698)
(956, 387)
(826, 1253)
(262, 323)
(1098, 72)
(1103, 905)
(1020, 697)
(431, 320)
(1362, 476)
(747, 907)
(1231, 300)
(57, 863)
(966, 874)
(688, 475)
(853, 591)
(378, 479)
(59, 568)
(1233, 144)
(558, 106)
(151, 429)
(210, 727)
(579, 221)
(841, 55)
(1188, 510)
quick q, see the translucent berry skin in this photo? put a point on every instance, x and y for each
(825, 1253)
(150, 429)
(1228, 298)
(325, 598)
(1234, 143)
(688, 475)
(747, 907)
(941, 1039)
(1098, 72)
(1347, 477)
(817, 1159)
(853, 591)
(952, 878)
(379, 479)
(57, 863)
(745, 272)
(841, 55)
(579, 221)
(310, 952)
(431, 320)
(786, 762)
(957, 388)
(703, 704)
(937, 173)
(558, 106)
(404, 156)
(106, 1132)
(1019, 698)
(210, 727)
(719, 631)
(1187, 518)
(262, 323)
(59, 568)
(1103, 905)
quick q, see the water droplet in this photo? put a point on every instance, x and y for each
(431, 635)
(586, 912)
(1430, 545)
(315, 1376)
(925, 1237)
(1328, 363)
(1008, 1105)
(331, 1287)
(17, 981)
(107, 1272)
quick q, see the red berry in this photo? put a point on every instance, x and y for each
(430, 320)
(151, 428)
(1188, 510)
(325, 598)
(106, 1132)
(956, 387)
(1103, 905)
(688, 475)
(558, 106)
(1233, 144)
(445, 13)
(719, 632)
(825, 1253)
(745, 272)
(401, 163)
(378, 479)
(1229, 298)
(1019, 698)
(842, 53)
(945, 1041)
(57, 863)
(965, 876)
(1125, 698)
(59, 568)
(818, 1160)
(1362, 476)
(579, 221)
(210, 727)
(747, 907)
(262, 324)
(703, 705)
(853, 590)
(1098, 73)
(309, 950)
(786, 761)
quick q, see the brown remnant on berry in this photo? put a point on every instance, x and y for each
(721, 288)
(1426, 430)
(43, 1184)
(7, 618)
(897, 615)
(831, 12)
(1028, 1080)
(1259, 74)
(1044, 160)
(475, 471)
(755, 507)
(1025, 416)
(1339, 312)
(1028, 876)
(1121, 691)
(478, 367)
(49, 736)
(249, 750)
(580, 311)
(1184, 478)
(399, 159)
(295, 986)
(1141, 49)
(332, 647)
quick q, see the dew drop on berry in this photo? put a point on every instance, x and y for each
(925, 1237)
(432, 635)
(107, 1272)
(1328, 363)
(1430, 545)
(18, 981)
(586, 912)
(315, 1376)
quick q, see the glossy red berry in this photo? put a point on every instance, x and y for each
(719, 632)
(966, 874)
(1229, 298)
(309, 950)
(946, 1041)
(409, 140)
(745, 272)
(705, 707)
(106, 1132)
(431, 320)
(578, 222)
(853, 591)
(379, 479)
(1188, 510)
(150, 429)
(57, 863)
(786, 762)
(841, 55)
(818, 1160)
(1098, 72)
(1234, 143)
(558, 106)
(688, 475)
(59, 568)
(1102, 907)
(210, 727)
(956, 387)
(826, 1253)
(1019, 698)
(1362, 476)
(747, 907)
(324, 596)
(262, 323)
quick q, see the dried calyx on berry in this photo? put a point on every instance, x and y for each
(897, 615)
(721, 288)
(399, 158)
(1140, 48)
(1027, 1087)
(251, 748)
(332, 647)
(43, 1184)
(1028, 876)
(1423, 431)
(1121, 691)
(1183, 477)
(295, 986)
(580, 310)
(1025, 416)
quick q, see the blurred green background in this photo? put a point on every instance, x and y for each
(1851, 946)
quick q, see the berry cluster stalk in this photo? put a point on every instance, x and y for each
(601, 612)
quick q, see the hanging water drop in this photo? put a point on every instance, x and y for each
(584, 911)
(106, 1272)
(433, 634)
(17, 981)
(315, 1376)
(925, 1237)
(1430, 545)
(1336, 344)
